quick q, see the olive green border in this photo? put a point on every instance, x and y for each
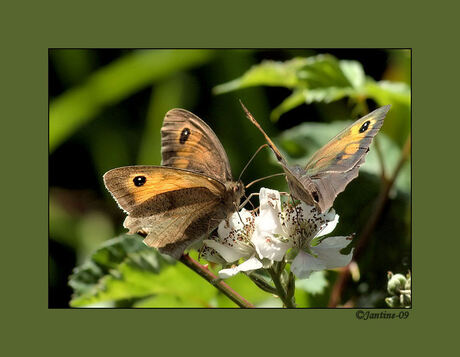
(32, 29)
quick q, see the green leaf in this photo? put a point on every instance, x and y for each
(398, 94)
(294, 100)
(308, 96)
(320, 78)
(124, 271)
(354, 72)
(386, 92)
(315, 284)
(126, 253)
(269, 73)
(323, 71)
(327, 95)
(112, 84)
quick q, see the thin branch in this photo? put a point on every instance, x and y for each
(206, 274)
(279, 287)
(366, 233)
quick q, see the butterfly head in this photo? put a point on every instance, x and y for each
(235, 190)
(238, 189)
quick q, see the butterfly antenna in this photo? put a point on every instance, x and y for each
(269, 141)
(263, 178)
(252, 158)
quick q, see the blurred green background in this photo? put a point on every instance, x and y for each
(106, 110)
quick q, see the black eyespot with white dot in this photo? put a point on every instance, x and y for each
(315, 196)
(364, 127)
(184, 135)
(139, 180)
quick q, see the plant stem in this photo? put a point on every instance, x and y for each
(281, 292)
(206, 274)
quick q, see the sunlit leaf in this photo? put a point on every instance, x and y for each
(386, 92)
(323, 71)
(125, 269)
(269, 73)
(354, 72)
(116, 256)
(321, 78)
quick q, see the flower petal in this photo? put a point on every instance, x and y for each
(331, 222)
(251, 264)
(228, 273)
(269, 236)
(269, 246)
(270, 211)
(233, 223)
(211, 255)
(304, 264)
(229, 253)
(328, 250)
(328, 256)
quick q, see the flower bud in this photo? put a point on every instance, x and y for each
(393, 301)
(396, 283)
(405, 300)
(408, 284)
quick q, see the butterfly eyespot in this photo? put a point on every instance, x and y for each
(315, 196)
(364, 127)
(184, 135)
(139, 180)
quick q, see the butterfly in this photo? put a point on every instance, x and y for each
(176, 204)
(332, 167)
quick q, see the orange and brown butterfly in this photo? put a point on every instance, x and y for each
(332, 167)
(178, 203)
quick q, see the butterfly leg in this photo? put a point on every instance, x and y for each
(238, 212)
(249, 199)
(250, 202)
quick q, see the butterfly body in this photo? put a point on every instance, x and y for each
(176, 204)
(332, 167)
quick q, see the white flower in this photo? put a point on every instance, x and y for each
(270, 237)
(234, 243)
(305, 224)
(277, 230)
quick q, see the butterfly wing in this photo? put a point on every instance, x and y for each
(343, 152)
(333, 166)
(187, 142)
(173, 207)
(337, 163)
(174, 230)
